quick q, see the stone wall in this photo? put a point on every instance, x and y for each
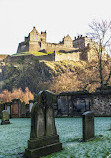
(58, 48)
(73, 103)
(98, 102)
(34, 46)
(23, 47)
(68, 104)
(19, 58)
(49, 57)
(101, 105)
(75, 56)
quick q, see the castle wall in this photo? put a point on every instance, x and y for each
(75, 56)
(49, 57)
(69, 56)
(34, 46)
(23, 47)
(18, 58)
(58, 47)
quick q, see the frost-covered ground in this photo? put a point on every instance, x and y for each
(13, 138)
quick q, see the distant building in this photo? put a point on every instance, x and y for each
(37, 42)
(81, 48)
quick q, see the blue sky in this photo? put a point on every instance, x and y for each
(57, 17)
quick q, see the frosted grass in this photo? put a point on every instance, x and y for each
(13, 138)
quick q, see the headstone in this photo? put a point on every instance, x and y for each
(23, 110)
(43, 138)
(16, 108)
(28, 114)
(88, 125)
(5, 117)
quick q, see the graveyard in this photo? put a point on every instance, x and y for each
(13, 140)
(43, 135)
(55, 79)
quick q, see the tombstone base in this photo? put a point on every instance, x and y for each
(43, 146)
(5, 122)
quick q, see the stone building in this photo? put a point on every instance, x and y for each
(37, 42)
(81, 48)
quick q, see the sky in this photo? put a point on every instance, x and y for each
(57, 17)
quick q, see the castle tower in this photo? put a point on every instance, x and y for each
(43, 36)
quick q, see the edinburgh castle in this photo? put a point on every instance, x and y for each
(81, 48)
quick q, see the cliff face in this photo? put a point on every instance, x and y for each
(56, 76)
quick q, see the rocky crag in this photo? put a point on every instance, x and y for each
(56, 76)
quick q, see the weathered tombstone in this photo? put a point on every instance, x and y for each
(23, 110)
(5, 117)
(88, 125)
(15, 108)
(43, 138)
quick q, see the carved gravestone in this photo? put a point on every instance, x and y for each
(43, 138)
(88, 125)
(5, 117)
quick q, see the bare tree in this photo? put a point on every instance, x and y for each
(101, 35)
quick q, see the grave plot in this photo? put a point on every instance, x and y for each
(13, 138)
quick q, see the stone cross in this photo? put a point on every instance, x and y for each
(43, 137)
(5, 117)
(88, 125)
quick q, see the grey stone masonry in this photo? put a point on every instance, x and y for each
(88, 125)
(43, 138)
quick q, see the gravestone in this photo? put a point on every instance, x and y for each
(88, 125)
(16, 108)
(5, 117)
(23, 110)
(43, 137)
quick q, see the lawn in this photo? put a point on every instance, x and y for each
(13, 138)
(34, 53)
